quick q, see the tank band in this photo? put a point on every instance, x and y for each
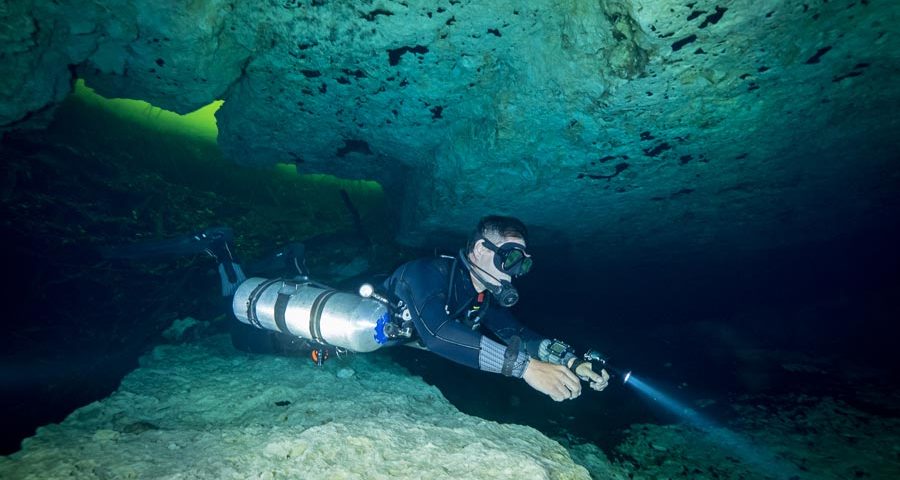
(280, 306)
(251, 302)
(315, 315)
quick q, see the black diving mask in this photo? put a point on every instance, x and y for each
(510, 258)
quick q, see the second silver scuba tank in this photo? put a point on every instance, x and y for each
(312, 311)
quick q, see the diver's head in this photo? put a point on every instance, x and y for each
(496, 254)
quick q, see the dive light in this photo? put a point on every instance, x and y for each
(597, 358)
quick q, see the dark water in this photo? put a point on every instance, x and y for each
(676, 325)
(706, 328)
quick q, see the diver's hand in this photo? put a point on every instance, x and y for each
(598, 381)
(550, 379)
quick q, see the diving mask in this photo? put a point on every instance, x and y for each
(510, 258)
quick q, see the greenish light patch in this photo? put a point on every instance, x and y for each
(200, 123)
(288, 171)
(166, 174)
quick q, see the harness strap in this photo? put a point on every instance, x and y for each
(510, 356)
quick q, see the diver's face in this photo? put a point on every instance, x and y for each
(483, 257)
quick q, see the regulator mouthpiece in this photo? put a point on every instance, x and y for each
(506, 293)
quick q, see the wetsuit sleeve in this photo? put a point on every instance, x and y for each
(501, 321)
(422, 287)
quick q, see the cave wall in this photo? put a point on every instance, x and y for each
(633, 125)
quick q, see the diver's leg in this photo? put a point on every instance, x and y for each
(214, 241)
(230, 272)
(169, 247)
(289, 261)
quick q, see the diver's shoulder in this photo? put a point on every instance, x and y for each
(436, 264)
(429, 267)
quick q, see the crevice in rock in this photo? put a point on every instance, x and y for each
(374, 14)
(818, 56)
(714, 18)
(621, 167)
(684, 41)
(395, 54)
(655, 151)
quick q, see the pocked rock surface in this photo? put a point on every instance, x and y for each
(203, 411)
(695, 125)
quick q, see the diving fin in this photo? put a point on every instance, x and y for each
(232, 276)
(199, 242)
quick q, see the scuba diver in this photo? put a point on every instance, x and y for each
(440, 304)
(451, 298)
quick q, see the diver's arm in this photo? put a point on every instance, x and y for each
(560, 353)
(504, 324)
(557, 381)
(457, 342)
(584, 370)
(421, 287)
(554, 379)
(461, 344)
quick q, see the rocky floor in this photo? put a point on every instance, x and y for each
(773, 437)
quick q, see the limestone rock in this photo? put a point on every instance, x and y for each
(204, 411)
(740, 126)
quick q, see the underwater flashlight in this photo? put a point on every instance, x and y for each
(598, 358)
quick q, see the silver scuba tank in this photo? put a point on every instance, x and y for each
(312, 311)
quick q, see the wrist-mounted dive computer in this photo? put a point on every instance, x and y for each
(555, 351)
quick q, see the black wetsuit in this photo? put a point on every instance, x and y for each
(451, 327)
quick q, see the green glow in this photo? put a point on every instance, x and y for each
(200, 123)
(287, 171)
(177, 158)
